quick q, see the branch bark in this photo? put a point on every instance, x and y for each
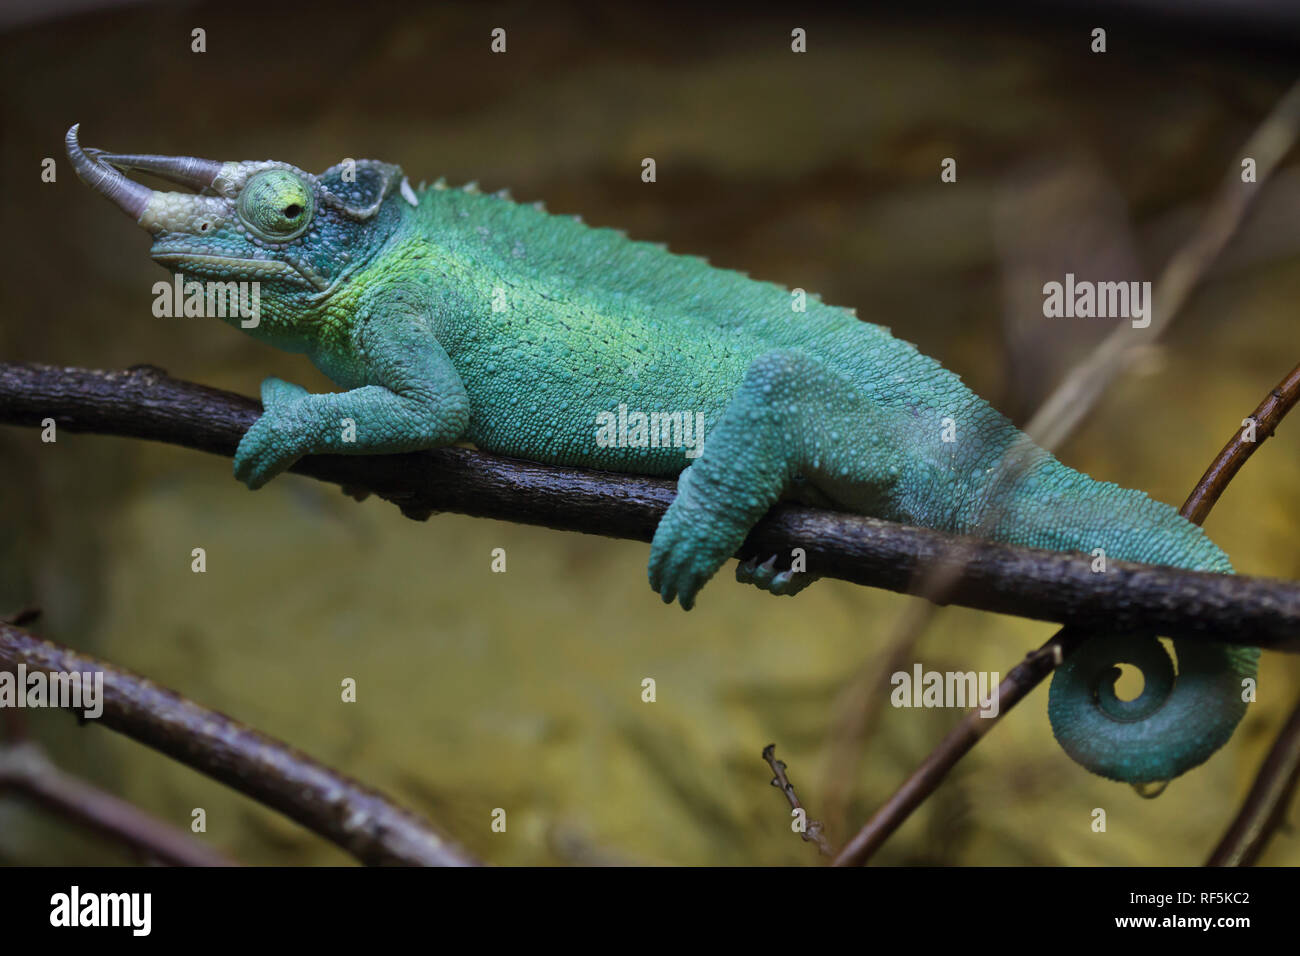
(1045, 585)
(813, 831)
(361, 821)
(1228, 462)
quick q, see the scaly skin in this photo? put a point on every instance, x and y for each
(449, 315)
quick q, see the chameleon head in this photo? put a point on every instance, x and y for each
(253, 221)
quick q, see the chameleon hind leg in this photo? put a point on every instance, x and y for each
(790, 418)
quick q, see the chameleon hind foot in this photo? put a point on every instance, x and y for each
(751, 457)
(766, 577)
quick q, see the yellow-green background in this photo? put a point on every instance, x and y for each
(523, 690)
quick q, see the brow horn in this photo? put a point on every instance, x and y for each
(197, 174)
(129, 196)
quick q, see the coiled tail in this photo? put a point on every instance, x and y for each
(1175, 724)
(1188, 708)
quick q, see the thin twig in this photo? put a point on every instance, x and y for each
(1234, 454)
(1268, 146)
(26, 770)
(813, 831)
(21, 618)
(1264, 810)
(15, 726)
(1265, 806)
(1043, 585)
(361, 821)
(859, 705)
(923, 781)
(1028, 674)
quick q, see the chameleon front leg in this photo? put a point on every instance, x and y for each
(413, 400)
(791, 416)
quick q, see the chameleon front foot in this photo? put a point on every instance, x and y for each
(766, 577)
(274, 442)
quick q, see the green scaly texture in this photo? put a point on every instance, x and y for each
(448, 315)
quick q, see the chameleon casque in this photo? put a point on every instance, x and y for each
(390, 292)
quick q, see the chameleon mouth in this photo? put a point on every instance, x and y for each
(254, 269)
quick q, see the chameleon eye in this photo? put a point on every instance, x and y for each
(276, 205)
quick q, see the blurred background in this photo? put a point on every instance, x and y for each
(818, 170)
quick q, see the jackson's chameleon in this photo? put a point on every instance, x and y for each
(445, 314)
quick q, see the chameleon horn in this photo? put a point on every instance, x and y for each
(108, 182)
(197, 174)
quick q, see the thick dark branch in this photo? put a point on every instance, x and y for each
(1045, 585)
(361, 821)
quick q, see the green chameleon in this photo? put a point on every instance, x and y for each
(450, 315)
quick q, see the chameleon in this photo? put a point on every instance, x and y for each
(450, 315)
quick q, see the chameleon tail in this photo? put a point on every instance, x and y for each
(1181, 717)
(1175, 724)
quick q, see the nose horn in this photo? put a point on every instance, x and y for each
(130, 197)
(197, 174)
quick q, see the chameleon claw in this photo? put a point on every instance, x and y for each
(764, 572)
(765, 577)
(751, 572)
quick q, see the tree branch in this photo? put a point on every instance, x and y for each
(1044, 585)
(361, 821)
(1225, 466)
(1028, 674)
(813, 831)
(1065, 409)
(925, 779)
(25, 769)
(1269, 144)
(1265, 808)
